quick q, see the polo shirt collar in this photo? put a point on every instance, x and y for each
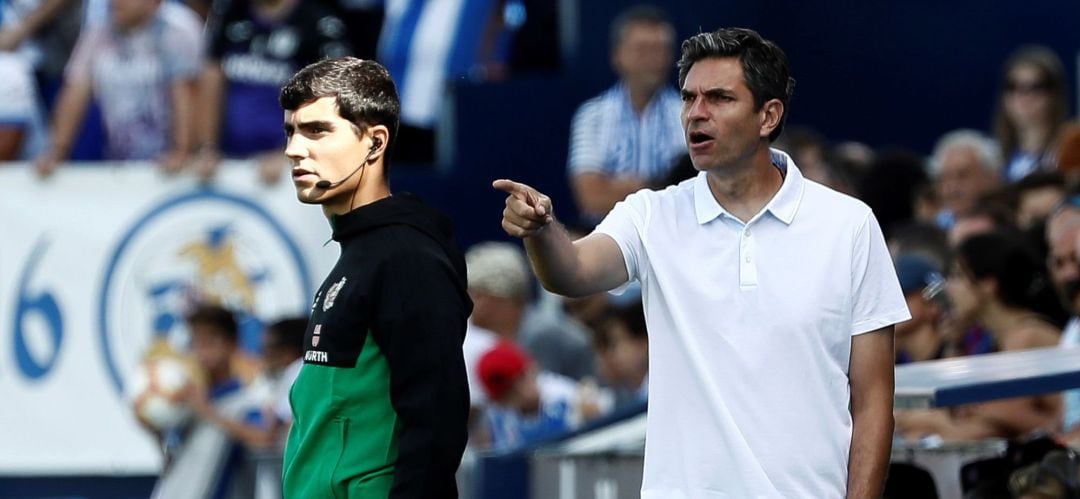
(783, 205)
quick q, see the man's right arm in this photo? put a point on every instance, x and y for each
(590, 265)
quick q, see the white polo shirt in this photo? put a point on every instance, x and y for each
(748, 385)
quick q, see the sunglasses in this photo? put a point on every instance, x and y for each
(1039, 87)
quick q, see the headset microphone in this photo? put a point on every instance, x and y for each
(326, 184)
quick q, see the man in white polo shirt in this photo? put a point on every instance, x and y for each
(772, 298)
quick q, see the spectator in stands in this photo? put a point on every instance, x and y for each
(255, 46)
(622, 348)
(207, 461)
(848, 163)
(987, 216)
(808, 148)
(500, 286)
(890, 185)
(1070, 338)
(1062, 233)
(924, 240)
(965, 166)
(630, 135)
(1031, 110)
(283, 349)
(140, 69)
(557, 341)
(44, 32)
(21, 124)
(1062, 230)
(426, 46)
(283, 344)
(554, 331)
(998, 283)
(1036, 196)
(528, 405)
(922, 337)
(839, 167)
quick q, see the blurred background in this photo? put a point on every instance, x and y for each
(156, 267)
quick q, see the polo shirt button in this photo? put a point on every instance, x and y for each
(747, 233)
(747, 259)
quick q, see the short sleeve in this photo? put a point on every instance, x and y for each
(586, 154)
(878, 301)
(184, 45)
(82, 56)
(625, 224)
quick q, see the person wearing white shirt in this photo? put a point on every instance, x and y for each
(499, 285)
(775, 296)
(628, 137)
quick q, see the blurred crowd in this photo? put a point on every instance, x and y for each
(187, 83)
(985, 231)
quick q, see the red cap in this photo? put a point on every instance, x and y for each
(500, 367)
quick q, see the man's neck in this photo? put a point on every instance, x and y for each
(744, 189)
(640, 96)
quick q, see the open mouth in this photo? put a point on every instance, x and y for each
(297, 173)
(700, 138)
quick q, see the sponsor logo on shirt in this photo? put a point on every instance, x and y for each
(316, 356)
(332, 293)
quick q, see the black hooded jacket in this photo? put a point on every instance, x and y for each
(383, 393)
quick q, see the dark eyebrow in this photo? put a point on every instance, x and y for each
(719, 92)
(310, 126)
(709, 92)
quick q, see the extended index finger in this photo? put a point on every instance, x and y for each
(510, 187)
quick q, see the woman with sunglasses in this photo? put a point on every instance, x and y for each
(1031, 110)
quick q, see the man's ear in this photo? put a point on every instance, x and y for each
(380, 140)
(772, 113)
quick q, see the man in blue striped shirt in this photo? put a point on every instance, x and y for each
(629, 136)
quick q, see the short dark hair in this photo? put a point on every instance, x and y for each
(219, 318)
(364, 91)
(1010, 260)
(764, 64)
(289, 332)
(638, 14)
